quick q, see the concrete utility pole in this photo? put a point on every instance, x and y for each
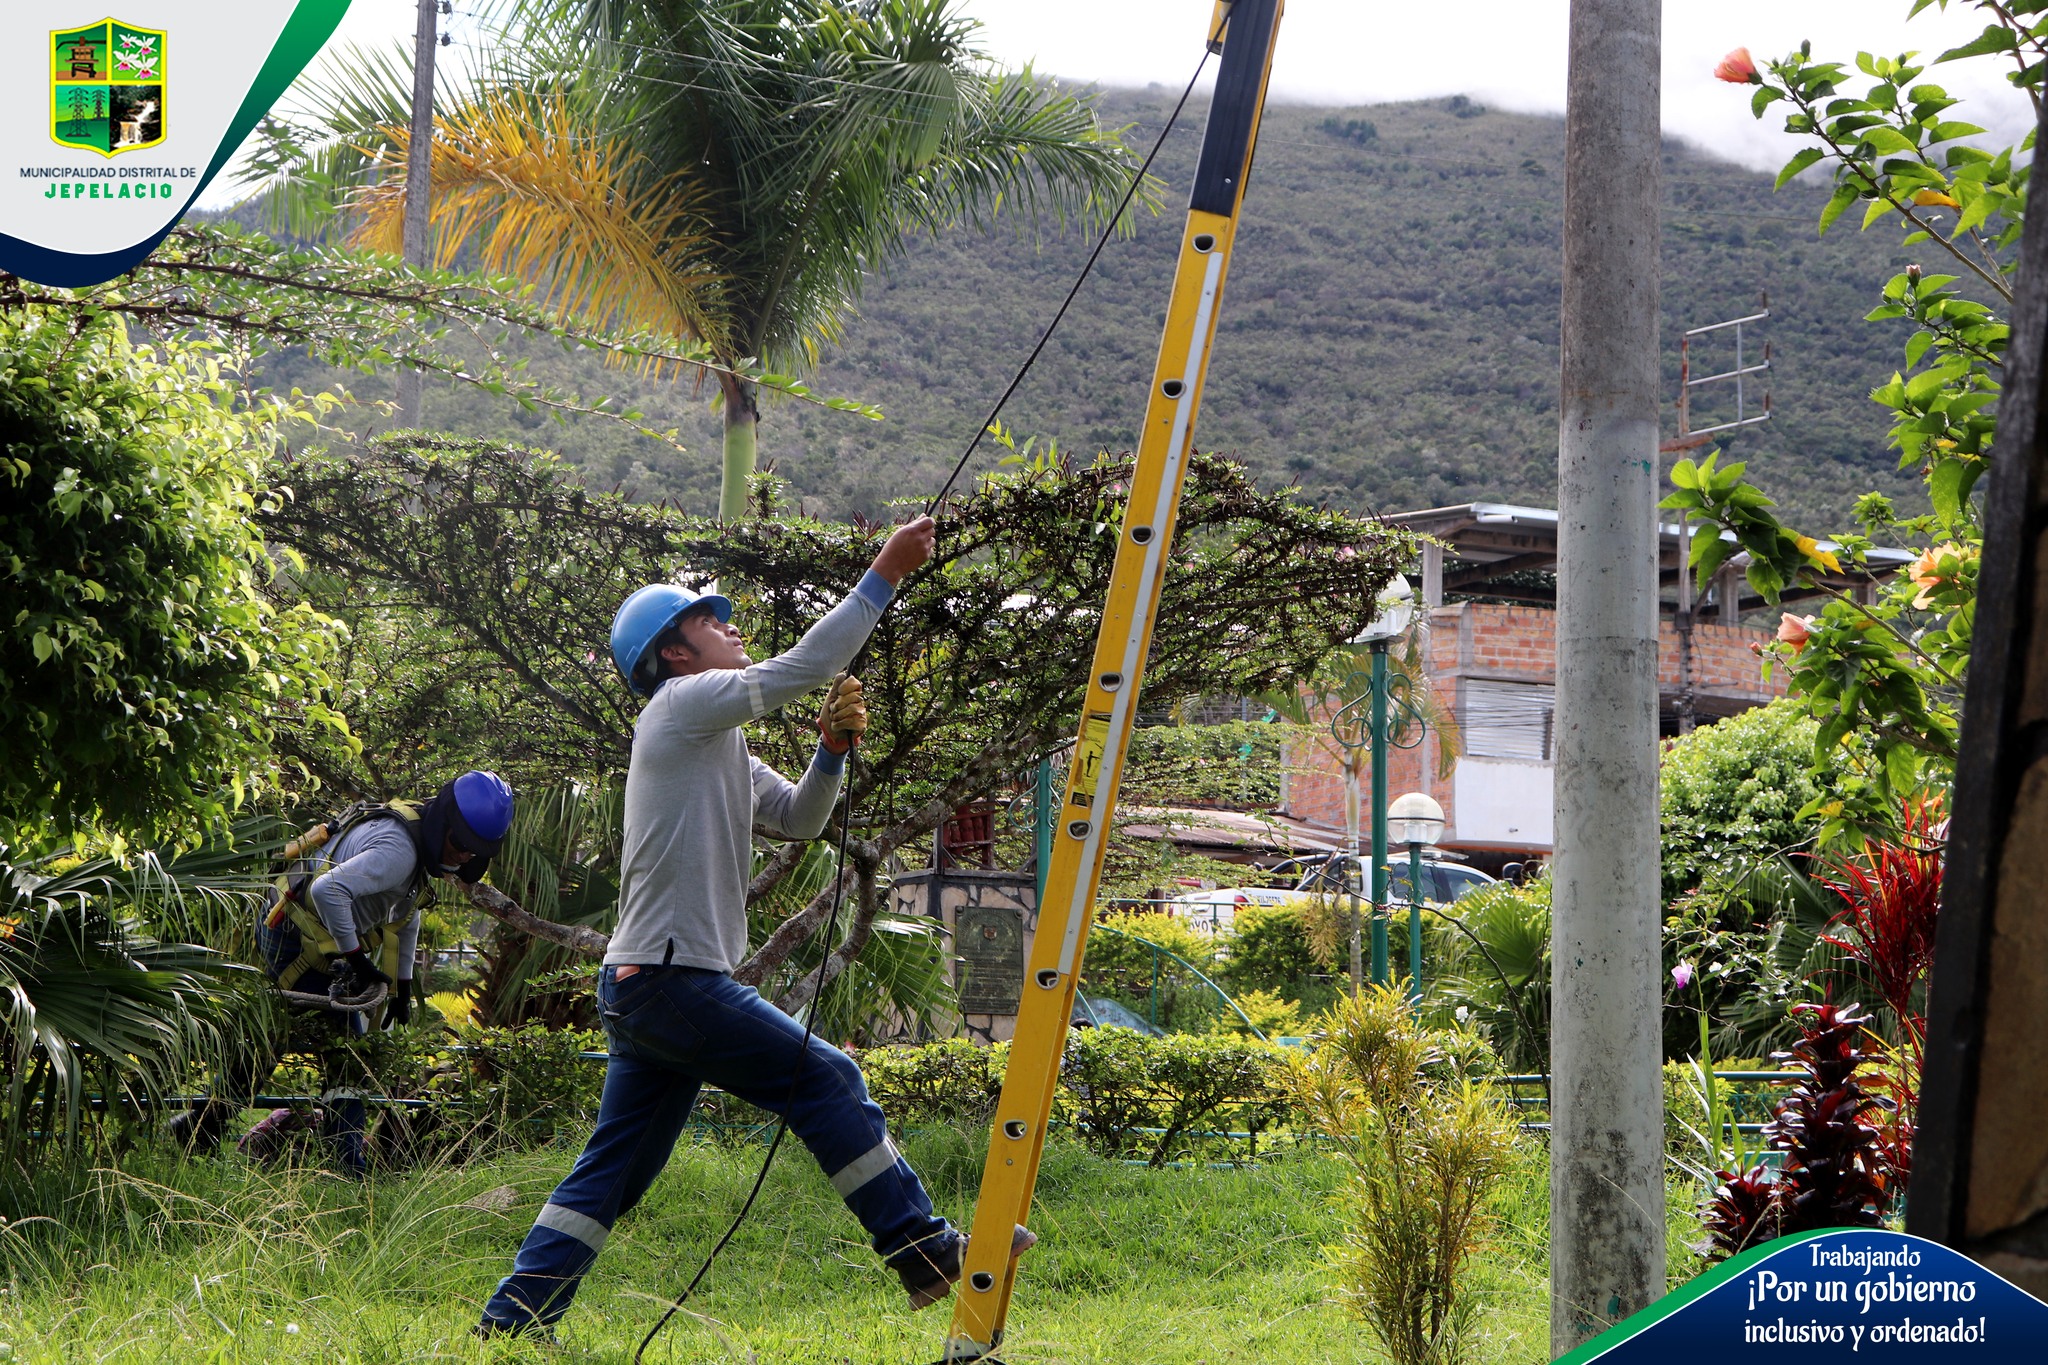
(1607, 1106)
(418, 183)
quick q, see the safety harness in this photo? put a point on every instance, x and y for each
(288, 893)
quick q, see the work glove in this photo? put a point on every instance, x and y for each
(399, 1012)
(844, 717)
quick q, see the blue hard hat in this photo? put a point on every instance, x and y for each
(483, 800)
(644, 616)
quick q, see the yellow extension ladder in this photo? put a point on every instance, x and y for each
(1244, 32)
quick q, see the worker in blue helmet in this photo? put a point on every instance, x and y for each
(341, 930)
(675, 1018)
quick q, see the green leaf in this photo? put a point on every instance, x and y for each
(1764, 97)
(1887, 139)
(1844, 196)
(1708, 553)
(1901, 767)
(1922, 387)
(1806, 157)
(1768, 582)
(1945, 488)
(1994, 38)
(1950, 129)
(1980, 207)
(1685, 474)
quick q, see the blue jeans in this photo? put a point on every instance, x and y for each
(672, 1031)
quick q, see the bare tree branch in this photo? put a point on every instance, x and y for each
(797, 930)
(504, 909)
(867, 905)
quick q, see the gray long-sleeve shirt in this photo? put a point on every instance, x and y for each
(364, 879)
(694, 794)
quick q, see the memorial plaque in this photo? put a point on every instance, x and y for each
(990, 942)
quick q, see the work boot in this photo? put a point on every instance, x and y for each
(200, 1130)
(354, 981)
(930, 1269)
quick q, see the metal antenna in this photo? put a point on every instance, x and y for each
(1689, 439)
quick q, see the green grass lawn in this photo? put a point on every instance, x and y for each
(217, 1261)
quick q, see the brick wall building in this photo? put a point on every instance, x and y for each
(1491, 667)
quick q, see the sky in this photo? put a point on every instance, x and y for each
(1509, 54)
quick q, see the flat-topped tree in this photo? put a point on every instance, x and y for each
(480, 581)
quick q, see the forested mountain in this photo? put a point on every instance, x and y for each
(1388, 340)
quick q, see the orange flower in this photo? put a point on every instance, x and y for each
(1793, 630)
(1738, 68)
(1927, 574)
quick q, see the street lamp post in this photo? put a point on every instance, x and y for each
(1415, 819)
(1396, 606)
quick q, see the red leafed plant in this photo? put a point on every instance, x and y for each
(1891, 903)
(1837, 1173)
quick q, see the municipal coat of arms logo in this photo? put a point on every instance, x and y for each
(107, 87)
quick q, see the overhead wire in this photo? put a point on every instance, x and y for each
(1088, 266)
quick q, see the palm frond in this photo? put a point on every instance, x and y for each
(529, 191)
(88, 1000)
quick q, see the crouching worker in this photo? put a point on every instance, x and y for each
(675, 1018)
(339, 939)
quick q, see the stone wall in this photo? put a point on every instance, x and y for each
(1001, 910)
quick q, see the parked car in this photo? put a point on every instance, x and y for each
(1215, 912)
(1443, 881)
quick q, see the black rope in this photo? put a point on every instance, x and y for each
(796, 1079)
(1100, 242)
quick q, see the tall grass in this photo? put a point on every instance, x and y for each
(218, 1262)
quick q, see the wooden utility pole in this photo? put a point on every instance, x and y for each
(416, 242)
(1980, 1157)
(1606, 1095)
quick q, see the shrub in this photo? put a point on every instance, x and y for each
(528, 1083)
(1158, 1098)
(1427, 1146)
(144, 675)
(1122, 963)
(521, 1086)
(1731, 793)
(1835, 1175)
(1272, 1015)
(1491, 952)
(1269, 950)
(955, 1082)
(1126, 1094)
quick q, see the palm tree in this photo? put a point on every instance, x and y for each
(92, 1000)
(730, 170)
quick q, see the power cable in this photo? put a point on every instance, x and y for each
(796, 1078)
(1100, 242)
